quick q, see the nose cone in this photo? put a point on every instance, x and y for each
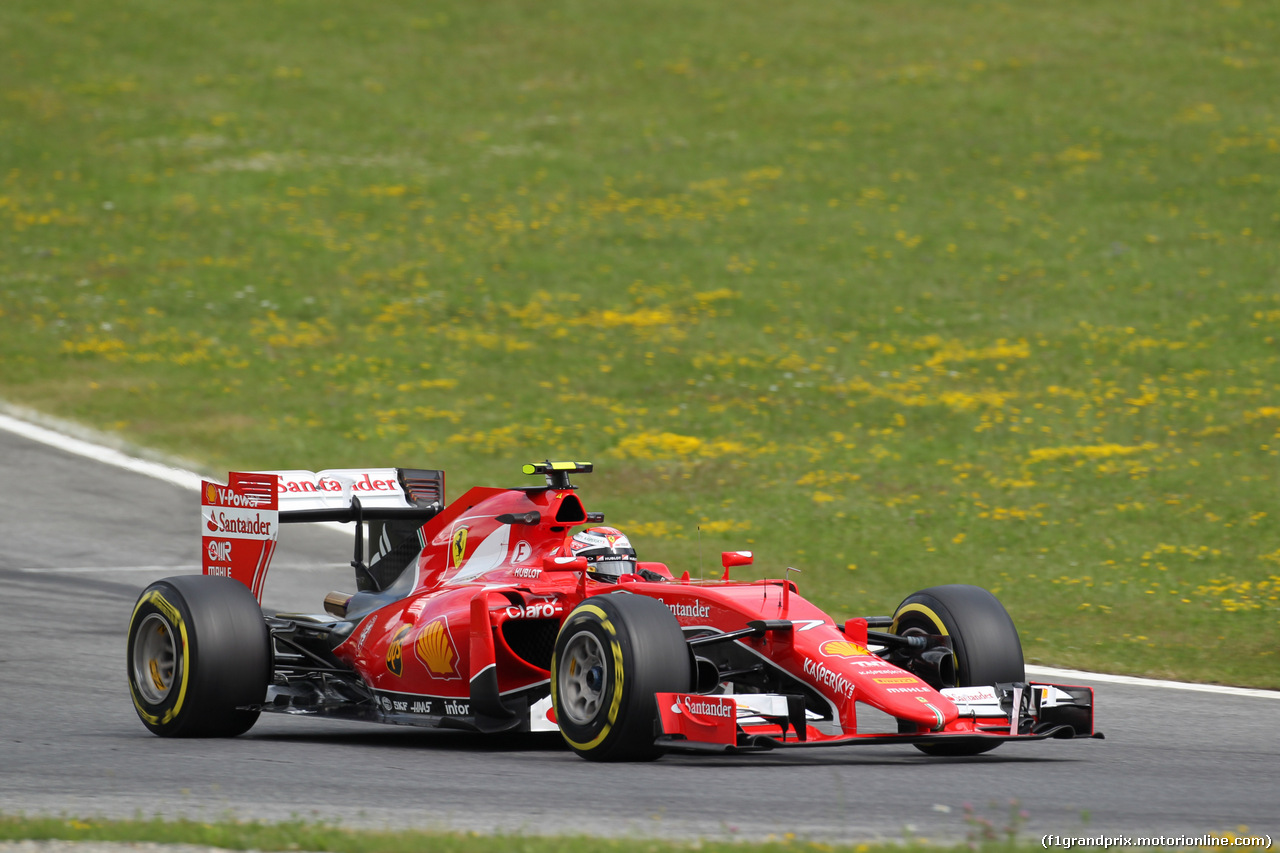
(933, 712)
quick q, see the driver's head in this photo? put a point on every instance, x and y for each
(608, 551)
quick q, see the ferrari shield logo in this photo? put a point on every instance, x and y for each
(459, 545)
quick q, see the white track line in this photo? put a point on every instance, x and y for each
(101, 453)
(1054, 672)
(190, 480)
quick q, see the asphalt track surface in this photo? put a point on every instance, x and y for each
(81, 539)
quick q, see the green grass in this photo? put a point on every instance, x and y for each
(977, 293)
(983, 835)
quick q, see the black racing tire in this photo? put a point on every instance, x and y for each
(199, 650)
(984, 641)
(613, 653)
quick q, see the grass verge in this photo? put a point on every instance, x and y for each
(983, 294)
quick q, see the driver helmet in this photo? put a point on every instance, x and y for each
(608, 551)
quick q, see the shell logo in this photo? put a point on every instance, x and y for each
(435, 649)
(842, 649)
(210, 494)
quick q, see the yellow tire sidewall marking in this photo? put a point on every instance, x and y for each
(933, 617)
(618, 679)
(155, 599)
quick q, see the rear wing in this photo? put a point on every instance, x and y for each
(240, 521)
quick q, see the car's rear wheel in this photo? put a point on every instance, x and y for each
(984, 643)
(613, 653)
(198, 652)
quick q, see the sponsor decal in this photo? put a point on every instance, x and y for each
(522, 552)
(536, 610)
(364, 632)
(704, 707)
(461, 709)
(219, 551)
(435, 649)
(220, 522)
(908, 680)
(330, 484)
(972, 695)
(407, 703)
(838, 683)
(528, 573)
(936, 712)
(458, 547)
(226, 496)
(696, 610)
(842, 649)
(916, 689)
(395, 652)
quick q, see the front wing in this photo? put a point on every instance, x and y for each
(755, 722)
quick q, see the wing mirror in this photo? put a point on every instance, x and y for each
(564, 564)
(734, 558)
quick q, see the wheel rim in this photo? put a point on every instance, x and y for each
(581, 678)
(155, 659)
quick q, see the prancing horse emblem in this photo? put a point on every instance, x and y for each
(459, 545)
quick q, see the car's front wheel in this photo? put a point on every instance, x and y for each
(613, 653)
(199, 651)
(984, 642)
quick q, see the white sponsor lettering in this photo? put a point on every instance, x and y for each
(696, 610)
(528, 573)
(828, 677)
(916, 689)
(219, 551)
(460, 708)
(522, 552)
(536, 610)
(230, 497)
(708, 708)
(420, 707)
(364, 632)
(219, 571)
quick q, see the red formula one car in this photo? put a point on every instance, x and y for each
(485, 615)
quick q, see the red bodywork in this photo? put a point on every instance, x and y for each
(485, 598)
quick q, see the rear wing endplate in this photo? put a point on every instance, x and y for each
(240, 521)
